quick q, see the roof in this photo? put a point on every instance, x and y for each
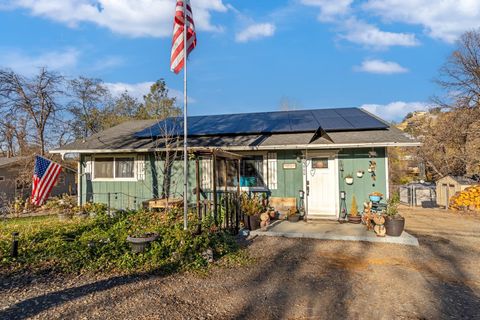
(126, 138)
(461, 179)
(5, 162)
(291, 121)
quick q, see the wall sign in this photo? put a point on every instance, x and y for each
(289, 166)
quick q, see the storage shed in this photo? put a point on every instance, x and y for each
(449, 185)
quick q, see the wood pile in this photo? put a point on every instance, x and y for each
(468, 199)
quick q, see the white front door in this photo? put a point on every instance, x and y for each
(322, 185)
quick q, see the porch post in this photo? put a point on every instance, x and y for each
(214, 160)
(197, 178)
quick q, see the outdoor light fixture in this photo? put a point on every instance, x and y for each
(343, 195)
(301, 194)
(14, 252)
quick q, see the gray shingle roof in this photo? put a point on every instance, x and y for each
(5, 162)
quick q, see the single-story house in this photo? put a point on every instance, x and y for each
(309, 155)
(16, 174)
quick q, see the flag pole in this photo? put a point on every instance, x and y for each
(185, 126)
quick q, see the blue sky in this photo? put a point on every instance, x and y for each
(251, 55)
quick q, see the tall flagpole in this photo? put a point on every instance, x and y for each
(185, 126)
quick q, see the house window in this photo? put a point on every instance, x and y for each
(320, 163)
(251, 172)
(124, 167)
(2, 178)
(114, 168)
(103, 168)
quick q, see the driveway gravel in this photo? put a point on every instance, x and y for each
(287, 279)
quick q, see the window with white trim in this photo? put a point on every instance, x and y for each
(251, 171)
(2, 178)
(114, 168)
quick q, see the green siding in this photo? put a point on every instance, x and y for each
(131, 194)
(289, 181)
(357, 159)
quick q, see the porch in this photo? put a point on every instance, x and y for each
(330, 230)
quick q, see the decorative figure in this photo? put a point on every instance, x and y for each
(379, 226)
(264, 220)
(368, 215)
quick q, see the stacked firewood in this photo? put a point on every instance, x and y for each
(468, 199)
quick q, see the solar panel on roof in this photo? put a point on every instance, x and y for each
(346, 119)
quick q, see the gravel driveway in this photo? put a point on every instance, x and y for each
(288, 279)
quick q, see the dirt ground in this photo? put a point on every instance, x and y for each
(289, 279)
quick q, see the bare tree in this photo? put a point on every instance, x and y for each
(460, 75)
(36, 98)
(159, 106)
(89, 100)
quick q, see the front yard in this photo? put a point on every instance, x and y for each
(286, 279)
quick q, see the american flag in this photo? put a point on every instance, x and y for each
(44, 177)
(177, 55)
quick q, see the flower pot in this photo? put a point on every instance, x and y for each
(355, 219)
(349, 180)
(394, 226)
(254, 222)
(140, 244)
(359, 174)
(294, 218)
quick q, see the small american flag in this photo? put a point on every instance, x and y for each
(177, 55)
(44, 178)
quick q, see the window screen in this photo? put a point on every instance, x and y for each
(124, 167)
(103, 168)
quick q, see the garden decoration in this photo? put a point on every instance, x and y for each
(349, 179)
(140, 243)
(360, 173)
(264, 220)
(368, 215)
(379, 228)
(372, 167)
(354, 217)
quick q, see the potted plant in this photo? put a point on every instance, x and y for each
(354, 217)
(293, 215)
(394, 222)
(252, 207)
(349, 179)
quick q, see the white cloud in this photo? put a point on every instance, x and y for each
(136, 18)
(25, 64)
(380, 67)
(138, 90)
(444, 20)
(255, 31)
(342, 15)
(368, 35)
(395, 111)
(329, 10)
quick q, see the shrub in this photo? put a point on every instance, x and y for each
(99, 243)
